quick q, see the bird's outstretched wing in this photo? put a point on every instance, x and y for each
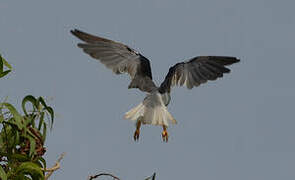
(196, 71)
(119, 58)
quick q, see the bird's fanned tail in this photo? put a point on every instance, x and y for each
(157, 115)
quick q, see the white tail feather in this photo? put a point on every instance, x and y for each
(135, 113)
(157, 115)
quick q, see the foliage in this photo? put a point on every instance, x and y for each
(22, 136)
(22, 139)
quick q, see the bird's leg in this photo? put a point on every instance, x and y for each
(137, 131)
(165, 134)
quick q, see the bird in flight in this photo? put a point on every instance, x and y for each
(153, 109)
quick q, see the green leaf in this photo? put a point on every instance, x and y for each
(29, 120)
(2, 74)
(31, 137)
(30, 168)
(3, 175)
(32, 140)
(1, 118)
(41, 121)
(44, 132)
(32, 146)
(48, 109)
(6, 63)
(20, 157)
(10, 123)
(30, 99)
(41, 100)
(1, 65)
(51, 112)
(43, 162)
(17, 117)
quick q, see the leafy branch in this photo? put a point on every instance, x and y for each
(22, 136)
(22, 139)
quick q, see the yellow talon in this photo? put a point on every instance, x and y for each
(165, 134)
(137, 131)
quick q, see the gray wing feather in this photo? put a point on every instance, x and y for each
(196, 71)
(119, 58)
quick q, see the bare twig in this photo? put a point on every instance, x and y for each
(55, 167)
(103, 174)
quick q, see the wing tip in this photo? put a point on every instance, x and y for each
(77, 33)
(74, 31)
(230, 60)
(237, 60)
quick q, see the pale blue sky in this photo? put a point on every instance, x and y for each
(239, 127)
